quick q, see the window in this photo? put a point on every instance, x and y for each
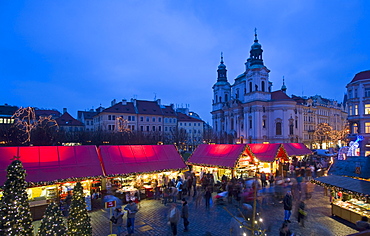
(226, 98)
(159, 128)
(367, 127)
(165, 128)
(220, 99)
(367, 109)
(184, 124)
(263, 123)
(147, 119)
(180, 124)
(350, 93)
(165, 120)
(129, 118)
(250, 87)
(198, 124)
(113, 117)
(278, 128)
(350, 110)
(109, 117)
(356, 110)
(153, 119)
(141, 118)
(133, 118)
(133, 127)
(141, 128)
(159, 119)
(296, 124)
(263, 86)
(367, 92)
(250, 123)
(355, 95)
(189, 124)
(147, 128)
(232, 123)
(355, 128)
(291, 130)
(153, 128)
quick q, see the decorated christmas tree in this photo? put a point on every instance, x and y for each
(78, 219)
(52, 224)
(15, 214)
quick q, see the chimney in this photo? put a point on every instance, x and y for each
(64, 110)
(124, 102)
(113, 102)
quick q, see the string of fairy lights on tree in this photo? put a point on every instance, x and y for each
(52, 224)
(78, 219)
(15, 213)
(25, 120)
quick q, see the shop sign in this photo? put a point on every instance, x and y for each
(110, 204)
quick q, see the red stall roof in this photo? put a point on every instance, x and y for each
(296, 149)
(140, 158)
(50, 163)
(221, 155)
(268, 152)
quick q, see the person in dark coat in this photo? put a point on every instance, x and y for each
(288, 205)
(185, 214)
(208, 196)
(131, 209)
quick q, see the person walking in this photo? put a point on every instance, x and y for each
(301, 213)
(288, 205)
(173, 218)
(179, 187)
(118, 220)
(208, 196)
(185, 214)
(131, 209)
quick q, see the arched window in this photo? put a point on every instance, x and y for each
(278, 128)
(355, 128)
(263, 86)
(250, 87)
(291, 129)
(220, 99)
(226, 98)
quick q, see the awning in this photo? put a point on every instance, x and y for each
(296, 149)
(218, 155)
(51, 163)
(129, 159)
(268, 152)
(346, 183)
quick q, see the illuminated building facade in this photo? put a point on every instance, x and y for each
(358, 107)
(248, 111)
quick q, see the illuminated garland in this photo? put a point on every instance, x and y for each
(334, 188)
(61, 181)
(149, 172)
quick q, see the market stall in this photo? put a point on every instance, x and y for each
(269, 158)
(296, 149)
(349, 196)
(137, 171)
(52, 172)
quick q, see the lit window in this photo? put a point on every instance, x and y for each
(367, 109)
(1, 120)
(350, 110)
(367, 127)
(354, 128)
(356, 110)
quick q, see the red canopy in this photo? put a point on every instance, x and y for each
(268, 152)
(221, 155)
(296, 149)
(140, 158)
(49, 163)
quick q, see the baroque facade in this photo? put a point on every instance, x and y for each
(248, 111)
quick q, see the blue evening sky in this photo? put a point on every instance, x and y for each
(80, 54)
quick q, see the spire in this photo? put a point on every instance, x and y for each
(255, 35)
(222, 70)
(283, 88)
(255, 58)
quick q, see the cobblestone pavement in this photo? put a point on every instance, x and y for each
(152, 219)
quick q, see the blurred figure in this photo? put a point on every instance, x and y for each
(288, 205)
(284, 230)
(363, 224)
(173, 218)
(301, 213)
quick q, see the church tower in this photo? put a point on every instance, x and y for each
(258, 86)
(221, 94)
